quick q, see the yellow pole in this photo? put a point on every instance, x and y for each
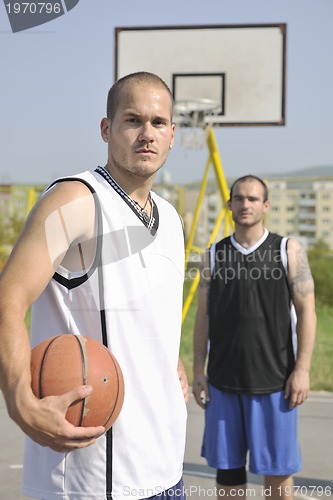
(218, 222)
(32, 198)
(225, 213)
(190, 296)
(196, 280)
(214, 153)
(180, 201)
(221, 181)
(197, 212)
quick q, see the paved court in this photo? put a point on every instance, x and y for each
(315, 481)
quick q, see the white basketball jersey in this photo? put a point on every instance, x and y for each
(140, 291)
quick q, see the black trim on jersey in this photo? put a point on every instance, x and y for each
(71, 283)
(109, 463)
(109, 435)
(153, 223)
(74, 282)
(84, 378)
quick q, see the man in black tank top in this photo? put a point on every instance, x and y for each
(253, 286)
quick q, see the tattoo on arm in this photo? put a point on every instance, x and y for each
(302, 282)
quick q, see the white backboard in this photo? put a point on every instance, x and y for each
(241, 67)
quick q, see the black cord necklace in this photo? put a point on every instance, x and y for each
(142, 210)
(149, 221)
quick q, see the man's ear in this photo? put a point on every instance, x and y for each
(105, 129)
(173, 126)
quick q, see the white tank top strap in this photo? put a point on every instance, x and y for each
(284, 256)
(212, 252)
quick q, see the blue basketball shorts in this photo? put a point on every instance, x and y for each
(259, 427)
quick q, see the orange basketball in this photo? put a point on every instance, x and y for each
(61, 363)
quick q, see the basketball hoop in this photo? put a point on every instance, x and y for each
(194, 114)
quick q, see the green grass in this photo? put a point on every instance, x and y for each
(186, 349)
(322, 364)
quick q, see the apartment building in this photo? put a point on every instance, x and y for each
(186, 202)
(302, 208)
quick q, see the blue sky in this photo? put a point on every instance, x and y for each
(55, 78)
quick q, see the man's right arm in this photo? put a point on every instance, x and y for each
(200, 337)
(26, 274)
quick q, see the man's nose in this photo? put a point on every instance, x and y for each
(146, 132)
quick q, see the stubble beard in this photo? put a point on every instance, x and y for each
(120, 164)
(247, 223)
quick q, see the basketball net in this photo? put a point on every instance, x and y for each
(194, 116)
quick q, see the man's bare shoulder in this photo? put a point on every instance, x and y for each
(67, 191)
(294, 244)
(300, 277)
(71, 201)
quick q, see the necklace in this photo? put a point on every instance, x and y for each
(142, 210)
(151, 222)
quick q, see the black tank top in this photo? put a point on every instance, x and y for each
(250, 326)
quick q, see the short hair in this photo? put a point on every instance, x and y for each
(250, 177)
(133, 79)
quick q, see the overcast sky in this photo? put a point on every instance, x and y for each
(55, 78)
